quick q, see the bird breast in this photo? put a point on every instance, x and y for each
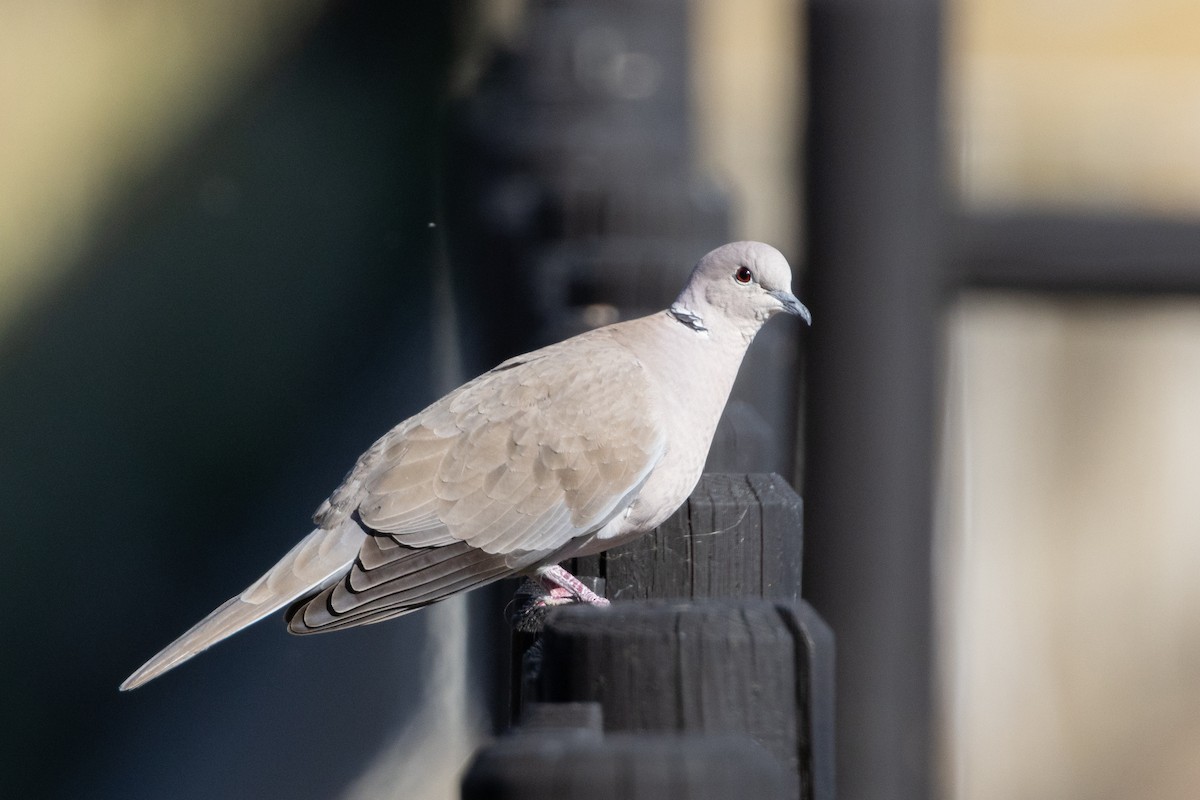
(692, 374)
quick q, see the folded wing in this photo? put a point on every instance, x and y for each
(492, 479)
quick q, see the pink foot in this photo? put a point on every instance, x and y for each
(563, 587)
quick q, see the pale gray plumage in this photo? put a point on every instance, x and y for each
(564, 451)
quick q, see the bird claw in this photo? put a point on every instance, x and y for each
(560, 583)
(552, 587)
(530, 615)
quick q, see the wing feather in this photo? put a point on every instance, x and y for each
(494, 478)
(560, 438)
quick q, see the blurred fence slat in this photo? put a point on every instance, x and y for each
(547, 766)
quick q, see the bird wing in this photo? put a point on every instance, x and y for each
(321, 557)
(492, 478)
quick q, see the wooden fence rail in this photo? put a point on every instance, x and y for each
(707, 661)
(549, 766)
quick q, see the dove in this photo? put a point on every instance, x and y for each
(565, 451)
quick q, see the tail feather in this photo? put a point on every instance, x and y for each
(317, 561)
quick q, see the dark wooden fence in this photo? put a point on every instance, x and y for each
(708, 677)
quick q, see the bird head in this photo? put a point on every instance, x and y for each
(745, 283)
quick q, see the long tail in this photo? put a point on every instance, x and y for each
(319, 559)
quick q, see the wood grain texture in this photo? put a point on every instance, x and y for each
(747, 666)
(815, 691)
(736, 536)
(717, 640)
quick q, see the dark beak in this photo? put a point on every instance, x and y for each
(791, 305)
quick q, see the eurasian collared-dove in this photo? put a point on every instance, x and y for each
(564, 451)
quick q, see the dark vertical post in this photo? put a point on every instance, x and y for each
(746, 666)
(875, 217)
(746, 655)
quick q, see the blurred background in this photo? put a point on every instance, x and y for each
(1068, 541)
(240, 240)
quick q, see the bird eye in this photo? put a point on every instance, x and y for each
(743, 275)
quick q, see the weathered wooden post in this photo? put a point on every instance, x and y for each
(747, 666)
(736, 536)
(706, 636)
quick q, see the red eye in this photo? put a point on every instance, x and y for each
(743, 275)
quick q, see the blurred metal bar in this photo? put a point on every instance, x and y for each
(875, 271)
(1116, 253)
